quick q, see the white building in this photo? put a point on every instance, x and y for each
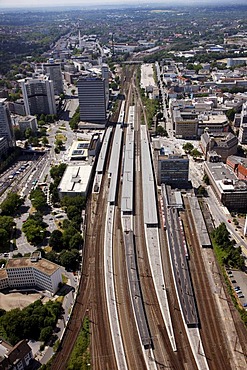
(31, 272)
(75, 181)
(38, 95)
(6, 127)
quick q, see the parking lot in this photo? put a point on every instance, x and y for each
(239, 279)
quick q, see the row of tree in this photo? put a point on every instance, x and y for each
(231, 256)
(75, 120)
(56, 173)
(38, 199)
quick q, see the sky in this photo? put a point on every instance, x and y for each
(67, 3)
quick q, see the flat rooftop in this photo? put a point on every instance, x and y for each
(3, 274)
(75, 179)
(148, 184)
(43, 265)
(79, 149)
(128, 174)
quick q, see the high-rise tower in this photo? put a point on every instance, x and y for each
(92, 98)
(53, 70)
(38, 95)
(6, 127)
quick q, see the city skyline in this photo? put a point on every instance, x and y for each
(84, 3)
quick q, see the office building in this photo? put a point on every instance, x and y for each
(28, 122)
(173, 169)
(92, 99)
(231, 191)
(17, 107)
(38, 95)
(6, 127)
(54, 72)
(29, 272)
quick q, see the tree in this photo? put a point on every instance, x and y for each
(230, 113)
(67, 236)
(59, 143)
(221, 234)
(57, 172)
(195, 153)
(73, 211)
(206, 179)
(75, 120)
(45, 141)
(76, 241)
(38, 199)
(188, 147)
(34, 234)
(10, 205)
(68, 260)
(52, 256)
(41, 123)
(18, 134)
(201, 190)
(56, 240)
(161, 131)
(28, 133)
(45, 334)
(78, 201)
(34, 228)
(34, 141)
(7, 223)
(4, 239)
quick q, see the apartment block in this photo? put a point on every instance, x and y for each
(16, 357)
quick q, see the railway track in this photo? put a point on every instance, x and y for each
(91, 299)
(165, 357)
(211, 333)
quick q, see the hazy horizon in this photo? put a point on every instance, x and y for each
(4, 4)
